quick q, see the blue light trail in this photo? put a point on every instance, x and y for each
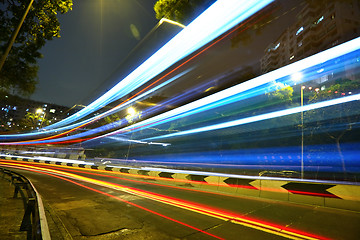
(217, 19)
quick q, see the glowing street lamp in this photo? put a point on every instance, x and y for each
(39, 111)
(131, 111)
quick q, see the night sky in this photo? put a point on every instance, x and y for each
(95, 37)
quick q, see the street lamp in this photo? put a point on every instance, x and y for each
(131, 111)
(41, 111)
(302, 131)
(297, 77)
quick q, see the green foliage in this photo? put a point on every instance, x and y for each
(33, 120)
(335, 91)
(183, 11)
(282, 93)
(19, 72)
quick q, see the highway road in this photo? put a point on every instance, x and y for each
(94, 204)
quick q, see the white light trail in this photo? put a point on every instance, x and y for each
(227, 96)
(217, 19)
(262, 117)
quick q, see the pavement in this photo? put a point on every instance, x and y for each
(11, 212)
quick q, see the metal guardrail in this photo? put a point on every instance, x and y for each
(34, 220)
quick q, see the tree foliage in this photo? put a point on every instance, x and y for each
(183, 11)
(19, 72)
(33, 121)
(281, 92)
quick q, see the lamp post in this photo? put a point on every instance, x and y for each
(302, 131)
(14, 35)
(297, 77)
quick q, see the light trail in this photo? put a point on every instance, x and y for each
(103, 173)
(118, 198)
(237, 93)
(275, 229)
(207, 27)
(217, 19)
(248, 89)
(262, 117)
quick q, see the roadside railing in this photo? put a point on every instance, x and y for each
(34, 219)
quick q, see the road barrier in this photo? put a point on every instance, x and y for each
(34, 219)
(340, 195)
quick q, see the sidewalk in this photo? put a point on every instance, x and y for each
(11, 212)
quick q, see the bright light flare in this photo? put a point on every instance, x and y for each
(297, 77)
(131, 111)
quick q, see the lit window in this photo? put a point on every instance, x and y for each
(320, 19)
(52, 110)
(277, 46)
(300, 30)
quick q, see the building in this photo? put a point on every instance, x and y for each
(320, 25)
(13, 110)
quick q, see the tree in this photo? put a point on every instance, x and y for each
(33, 121)
(183, 11)
(19, 73)
(281, 93)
